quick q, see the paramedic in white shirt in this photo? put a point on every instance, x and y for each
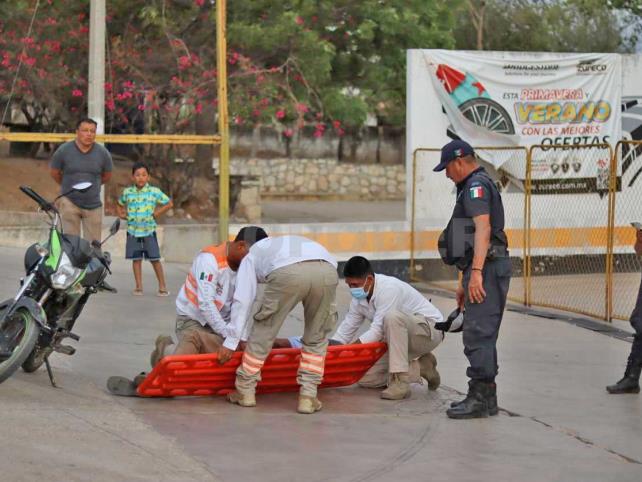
(294, 269)
(400, 315)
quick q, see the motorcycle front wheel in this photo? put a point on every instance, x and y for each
(20, 333)
(36, 358)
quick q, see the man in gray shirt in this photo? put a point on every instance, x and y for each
(82, 160)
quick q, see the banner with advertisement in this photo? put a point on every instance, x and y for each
(540, 99)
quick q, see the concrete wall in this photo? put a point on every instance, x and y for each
(179, 243)
(324, 177)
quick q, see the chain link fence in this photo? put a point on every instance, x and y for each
(568, 212)
(568, 197)
(433, 202)
(627, 195)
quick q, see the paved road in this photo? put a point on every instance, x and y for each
(332, 211)
(557, 422)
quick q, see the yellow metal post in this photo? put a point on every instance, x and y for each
(412, 216)
(527, 230)
(611, 232)
(223, 128)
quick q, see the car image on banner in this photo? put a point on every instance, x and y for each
(473, 100)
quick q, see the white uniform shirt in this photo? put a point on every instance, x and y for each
(206, 296)
(389, 294)
(267, 255)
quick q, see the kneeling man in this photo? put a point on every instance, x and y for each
(400, 315)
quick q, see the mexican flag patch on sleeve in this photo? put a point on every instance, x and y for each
(476, 192)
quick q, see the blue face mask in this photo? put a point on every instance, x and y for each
(359, 293)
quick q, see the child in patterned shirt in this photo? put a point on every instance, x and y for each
(141, 205)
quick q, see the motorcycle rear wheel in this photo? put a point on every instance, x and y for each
(22, 327)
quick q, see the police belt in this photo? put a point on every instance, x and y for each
(494, 253)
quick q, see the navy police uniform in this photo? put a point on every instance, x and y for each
(477, 195)
(630, 383)
(635, 359)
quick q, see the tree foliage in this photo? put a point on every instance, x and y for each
(292, 64)
(548, 26)
(316, 64)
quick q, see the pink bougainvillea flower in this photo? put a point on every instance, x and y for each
(184, 62)
(318, 134)
(288, 132)
(280, 114)
(336, 124)
(199, 108)
(76, 93)
(110, 104)
(199, 3)
(340, 132)
(233, 58)
(141, 107)
(299, 20)
(302, 108)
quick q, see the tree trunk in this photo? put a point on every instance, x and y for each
(379, 139)
(477, 17)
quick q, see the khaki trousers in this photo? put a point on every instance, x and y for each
(193, 338)
(184, 324)
(197, 342)
(313, 283)
(72, 216)
(409, 337)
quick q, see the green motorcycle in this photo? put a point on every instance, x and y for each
(61, 275)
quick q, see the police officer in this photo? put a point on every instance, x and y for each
(630, 383)
(475, 242)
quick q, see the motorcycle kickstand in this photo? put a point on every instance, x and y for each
(50, 373)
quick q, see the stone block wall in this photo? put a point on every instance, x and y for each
(324, 178)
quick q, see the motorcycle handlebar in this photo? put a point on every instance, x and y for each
(42, 202)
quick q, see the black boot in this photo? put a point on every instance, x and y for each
(475, 405)
(630, 383)
(491, 401)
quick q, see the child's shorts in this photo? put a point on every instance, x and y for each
(142, 248)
